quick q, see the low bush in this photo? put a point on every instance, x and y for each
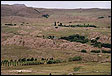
(76, 38)
(95, 51)
(83, 51)
(106, 45)
(76, 58)
(54, 61)
(50, 62)
(76, 68)
(104, 51)
(9, 24)
(100, 17)
(76, 25)
(50, 37)
(45, 15)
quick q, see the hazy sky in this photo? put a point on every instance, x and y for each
(62, 4)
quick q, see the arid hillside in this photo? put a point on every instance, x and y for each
(21, 10)
(70, 39)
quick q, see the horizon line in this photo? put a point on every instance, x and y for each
(62, 8)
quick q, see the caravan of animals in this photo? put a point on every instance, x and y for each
(39, 41)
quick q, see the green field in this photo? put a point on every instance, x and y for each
(86, 68)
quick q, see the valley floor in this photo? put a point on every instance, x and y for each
(86, 68)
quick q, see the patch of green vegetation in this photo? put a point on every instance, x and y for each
(100, 17)
(95, 51)
(99, 44)
(45, 15)
(65, 68)
(83, 51)
(76, 58)
(6, 29)
(76, 25)
(76, 68)
(104, 51)
(76, 38)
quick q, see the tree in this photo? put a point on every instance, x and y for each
(32, 59)
(42, 58)
(11, 60)
(50, 74)
(35, 59)
(24, 59)
(28, 59)
(51, 58)
(20, 60)
(50, 62)
(54, 23)
(60, 24)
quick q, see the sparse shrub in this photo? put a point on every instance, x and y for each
(56, 27)
(51, 58)
(106, 45)
(109, 16)
(60, 24)
(76, 58)
(78, 25)
(45, 15)
(35, 59)
(97, 44)
(28, 59)
(32, 59)
(97, 38)
(5, 60)
(53, 61)
(70, 22)
(70, 59)
(21, 24)
(14, 24)
(108, 26)
(104, 51)
(76, 68)
(58, 61)
(76, 38)
(50, 37)
(83, 51)
(50, 74)
(100, 17)
(9, 24)
(24, 59)
(50, 62)
(93, 41)
(95, 51)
